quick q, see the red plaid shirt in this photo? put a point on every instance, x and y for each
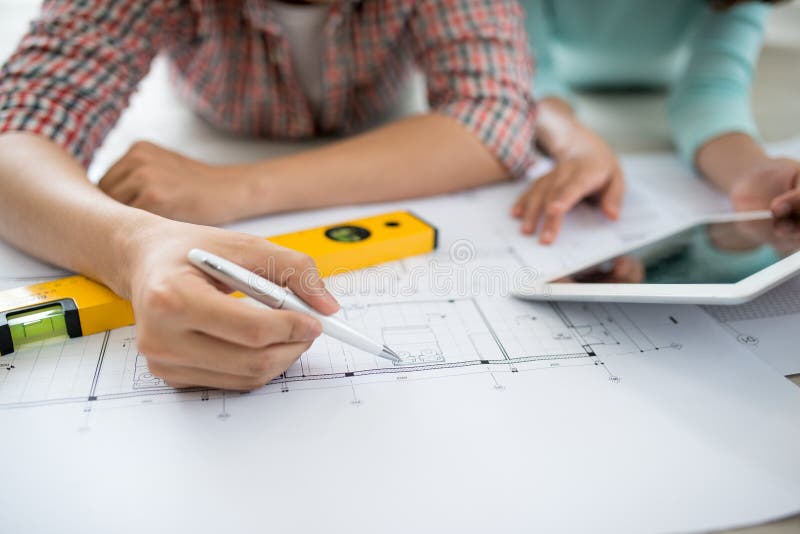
(73, 73)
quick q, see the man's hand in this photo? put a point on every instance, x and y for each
(166, 183)
(194, 334)
(773, 184)
(585, 166)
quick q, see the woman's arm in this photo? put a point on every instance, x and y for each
(738, 165)
(712, 98)
(547, 82)
(713, 122)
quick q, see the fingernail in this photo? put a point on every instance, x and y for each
(782, 210)
(331, 299)
(314, 331)
(547, 237)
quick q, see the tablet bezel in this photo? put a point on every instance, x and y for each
(724, 294)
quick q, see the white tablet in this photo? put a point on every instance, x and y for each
(726, 259)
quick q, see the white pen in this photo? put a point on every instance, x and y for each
(279, 298)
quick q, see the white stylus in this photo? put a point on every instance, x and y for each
(277, 297)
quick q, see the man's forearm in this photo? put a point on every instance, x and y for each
(723, 159)
(49, 209)
(420, 156)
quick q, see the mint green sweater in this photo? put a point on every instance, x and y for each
(705, 58)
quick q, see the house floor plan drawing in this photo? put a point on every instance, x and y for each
(445, 337)
(502, 415)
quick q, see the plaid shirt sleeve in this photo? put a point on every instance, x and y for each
(474, 54)
(73, 73)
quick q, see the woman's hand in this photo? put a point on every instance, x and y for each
(772, 184)
(194, 334)
(585, 166)
(166, 183)
(738, 165)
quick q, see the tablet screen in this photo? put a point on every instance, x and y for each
(709, 253)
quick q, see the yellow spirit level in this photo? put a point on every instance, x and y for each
(75, 306)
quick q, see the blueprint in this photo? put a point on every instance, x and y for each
(502, 415)
(629, 413)
(767, 326)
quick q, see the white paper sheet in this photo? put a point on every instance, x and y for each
(768, 326)
(503, 416)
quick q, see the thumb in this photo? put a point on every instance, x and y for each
(786, 204)
(611, 196)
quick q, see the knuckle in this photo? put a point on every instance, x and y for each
(247, 241)
(254, 241)
(566, 167)
(150, 196)
(259, 368)
(146, 174)
(253, 384)
(536, 190)
(257, 334)
(305, 262)
(532, 213)
(141, 148)
(162, 300)
(157, 369)
(150, 347)
(295, 328)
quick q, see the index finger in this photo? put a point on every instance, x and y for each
(294, 270)
(241, 322)
(612, 194)
(559, 204)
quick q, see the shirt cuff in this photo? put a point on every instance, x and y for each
(505, 128)
(46, 118)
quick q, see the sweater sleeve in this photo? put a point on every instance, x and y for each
(712, 97)
(547, 82)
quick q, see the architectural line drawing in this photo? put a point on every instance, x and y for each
(432, 335)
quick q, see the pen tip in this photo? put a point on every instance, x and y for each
(392, 354)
